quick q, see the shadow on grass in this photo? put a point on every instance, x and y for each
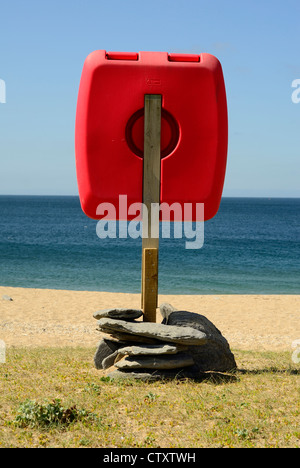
(216, 378)
(269, 370)
(213, 377)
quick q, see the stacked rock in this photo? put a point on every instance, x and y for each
(184, 345)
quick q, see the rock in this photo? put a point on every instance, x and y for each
(141, 350)
(110, 360)
(165, 310)
(190, 319)
(167, 333)
(214, 358)
(185, 344)
(105, 348)
(215, 355)
(131, 338)
(156, 362)
(119, 314)
(5, 297)
(146, 350)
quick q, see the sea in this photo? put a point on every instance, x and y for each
(252, 246)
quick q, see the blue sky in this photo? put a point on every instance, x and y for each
(43, 45)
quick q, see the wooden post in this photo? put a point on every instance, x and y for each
(150, 284)
(151, 195)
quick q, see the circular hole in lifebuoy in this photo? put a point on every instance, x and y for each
(134, 133)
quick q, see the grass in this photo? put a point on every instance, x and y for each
(56, 398)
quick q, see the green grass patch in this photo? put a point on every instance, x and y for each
(32, 414)
(56, 398)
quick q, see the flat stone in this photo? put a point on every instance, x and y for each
(157, 331)
(141, 350)
(177, 361)
(119, 314)
(146, 350)
(110, 360)
(105, 348)
(125, 337)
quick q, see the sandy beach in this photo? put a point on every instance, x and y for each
(50, 318)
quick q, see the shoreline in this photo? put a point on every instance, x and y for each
(55, 318)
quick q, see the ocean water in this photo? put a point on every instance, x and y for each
(252, 246)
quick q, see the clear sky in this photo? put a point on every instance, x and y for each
(43, 45)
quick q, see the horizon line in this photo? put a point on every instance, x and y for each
(77, 196)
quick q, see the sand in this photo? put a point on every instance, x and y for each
(51, 318)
